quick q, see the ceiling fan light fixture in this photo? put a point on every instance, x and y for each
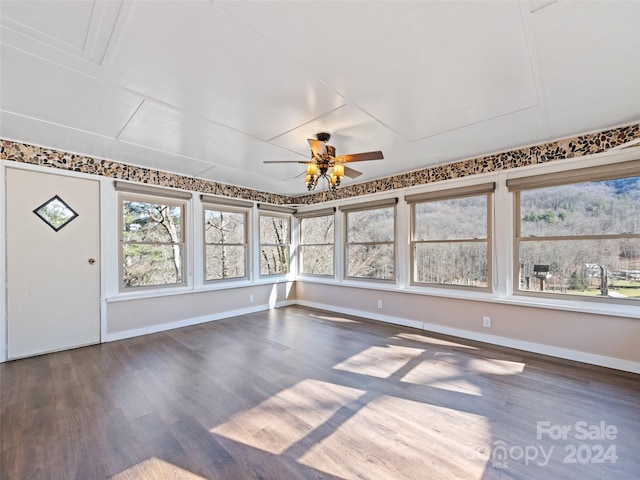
(334, 182)
(325, 165)
(312, 169)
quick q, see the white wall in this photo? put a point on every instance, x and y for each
(599, 339)
(138, 316)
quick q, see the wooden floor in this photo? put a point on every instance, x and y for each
(298, 393)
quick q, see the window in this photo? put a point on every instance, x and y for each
(450, 237)
(317, 238)
(225, 238)
(370, 239)
(578, 233)
(275, 242)
(152, 241)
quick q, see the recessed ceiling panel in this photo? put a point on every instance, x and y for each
(503, 133)
(352, 131)
(65, 22)
(262, 181)
(590, 77)
(421, 68)
(31, 131)
(65, 30)
(211, 65)
(172, 131)
(33, 87)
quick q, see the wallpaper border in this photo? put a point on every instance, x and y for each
(578, 146)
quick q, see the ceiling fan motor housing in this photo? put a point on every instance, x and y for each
(323, 136)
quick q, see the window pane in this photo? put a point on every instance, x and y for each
(317, 230)
(225, 262)
(582, 267)
(451, 263)
(274, 230)
(459, 218)
(145, 265)
(316, 259)
(274, 259)
(371, 225)
(592, 208)
(224, 227)
(151, 222)
(370, 261)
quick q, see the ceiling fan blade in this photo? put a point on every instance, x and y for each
(360, 157)
(286, 161)
(351, 173)
(304, 172)
(318, 148)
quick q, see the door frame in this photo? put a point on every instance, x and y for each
(103, 239)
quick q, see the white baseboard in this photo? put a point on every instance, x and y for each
(567, 354)
(136, 332)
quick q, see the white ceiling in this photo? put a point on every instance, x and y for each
(211, 89)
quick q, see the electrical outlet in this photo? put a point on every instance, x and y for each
(486, 322)
(250, 298)
(379, 303)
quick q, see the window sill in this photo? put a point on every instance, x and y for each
(611, 309)
(600, 308)
(150, 293)
(208, 287)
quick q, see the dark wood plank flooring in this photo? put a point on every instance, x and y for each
(297, 393)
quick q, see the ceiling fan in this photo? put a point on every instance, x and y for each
(325, 164)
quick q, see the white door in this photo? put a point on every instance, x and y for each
(53, 274)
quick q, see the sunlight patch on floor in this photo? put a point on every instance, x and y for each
(288, 416)
(336, 319)
(495, 366)
(381, 362)
(428, 439)
(156, 469)
(442, 375)
(432, 341)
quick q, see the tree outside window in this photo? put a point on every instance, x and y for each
(316, 247)
(370, 247)
(225, 244)
(152, 243)
(275, 240)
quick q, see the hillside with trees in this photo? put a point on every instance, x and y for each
(588, 236)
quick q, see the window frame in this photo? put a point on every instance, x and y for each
(485, 189)
(150, 196)
(276, 212)
(226, 206)
(599, 173)
(325, 212)
(370, 206)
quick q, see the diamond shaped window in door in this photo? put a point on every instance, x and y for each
(55, 213)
